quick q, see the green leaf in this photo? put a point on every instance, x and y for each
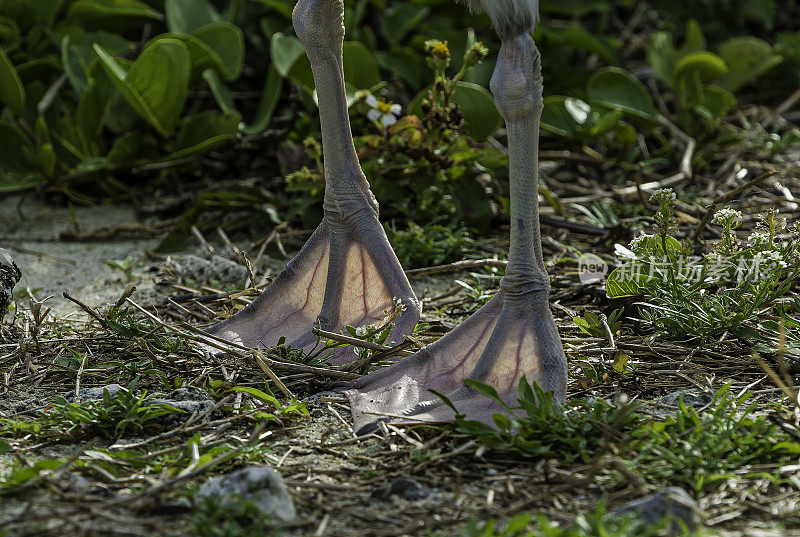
(204, 131)
(717, 101)
(12, 93)
(704, 65)
(92, 110)
(616, 88)
(556, 118)
(219, 90)
(264, 397)
(11, 150)
(404, 63)
(268, 102)
(285, 50)
(101, 9)
(400, 19)
(578, 38)
(5, 447)
(481, 118)
(77, 54)
(360, 69)
(227, 42)
(156, 83)
(125, 149)
(186, 16)
(748, 58)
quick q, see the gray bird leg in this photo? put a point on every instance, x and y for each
(347, 273)
(515, 333)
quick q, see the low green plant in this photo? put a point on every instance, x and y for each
(597, 523)
(591, 324)
(122, 322)
(539, 427)
(686, 296)
(125, 266)
(704, 82)
(231, 519)
(268, 400)
(700, 450)
(110, 416)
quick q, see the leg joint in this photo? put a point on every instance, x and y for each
(517, 80)
(319, 24)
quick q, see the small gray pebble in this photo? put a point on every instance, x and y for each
(92, 394)
(402, 487)
(670, 502)
(260, 485)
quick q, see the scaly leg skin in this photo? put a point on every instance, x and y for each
(514, 334)
(347, 273)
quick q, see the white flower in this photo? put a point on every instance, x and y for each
(663, 195)
(727, 215)
(383, 113)
(774, 257)
(759, 239)
(636, 243)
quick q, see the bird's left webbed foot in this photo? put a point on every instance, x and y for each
(511, 336)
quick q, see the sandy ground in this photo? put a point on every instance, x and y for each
(30, 230)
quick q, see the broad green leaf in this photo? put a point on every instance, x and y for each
(11, 150)
(578, 38)
(269, 100)
(748, 58)
(404, 63)
(125, 149)
(283, 7)
(400, 19)
(663, 56)
(705, 65)
(204, 131)
(9, 31)
(100, 9)
(92, 109)
(156, 83)
(788, 46)
(762, 11)
(12, 93)
(556, 118)
(360, 69)
(481, 118)
(5, 447)
(227, 42)
(186, 16)
(219, 90)
(285, 50)
(77, 54)
(616, 88)
(301, 74)
(717, 101)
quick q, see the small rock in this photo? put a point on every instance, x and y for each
(402, 487)
(691, 398)
(260, 485)
(9, 276)
(91, 394)
(666, 405)
(190, 400)
(203, 270)
(77, 482)
(670, 502)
